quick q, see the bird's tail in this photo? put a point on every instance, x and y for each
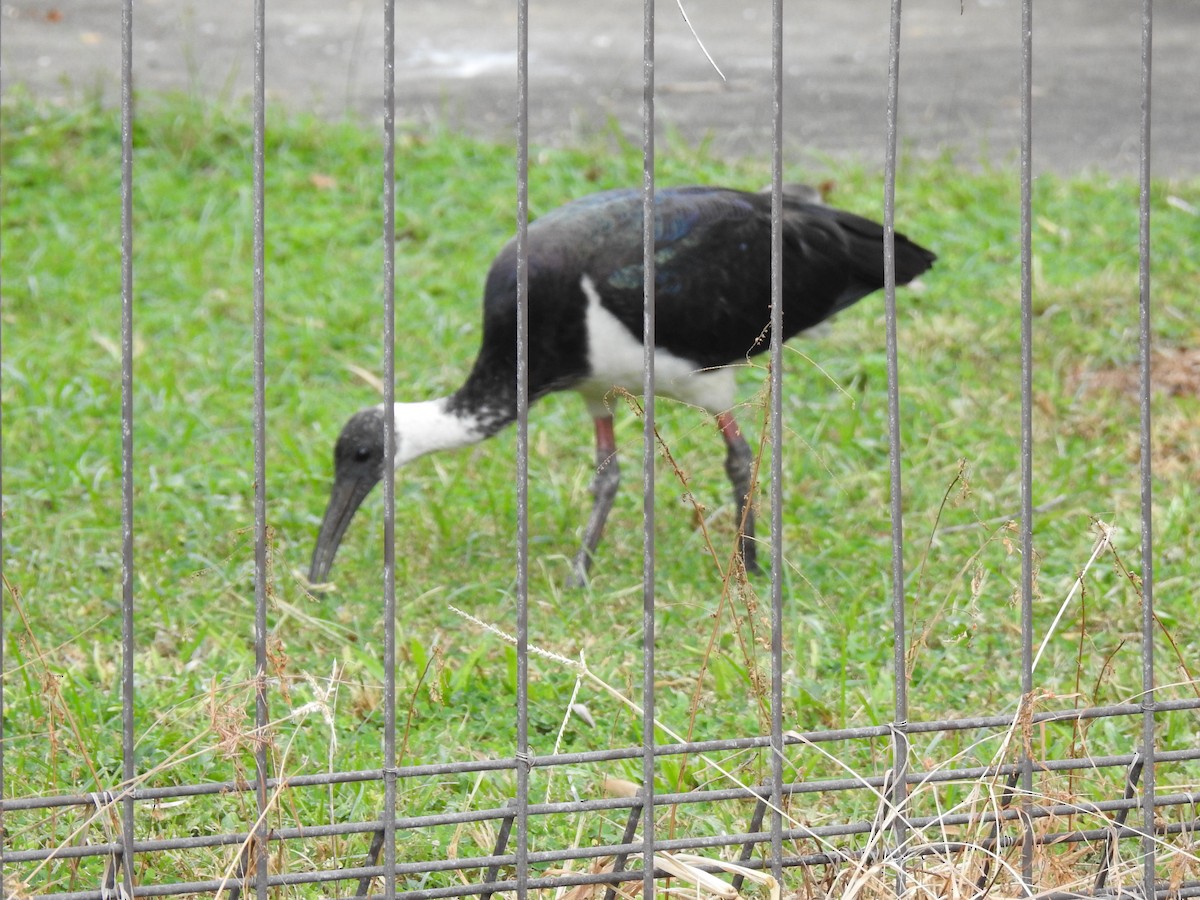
(865, 248)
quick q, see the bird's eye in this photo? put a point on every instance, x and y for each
(362, 454)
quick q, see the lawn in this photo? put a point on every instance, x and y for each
(455, 523)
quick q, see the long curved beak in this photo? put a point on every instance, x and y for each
(348, 494)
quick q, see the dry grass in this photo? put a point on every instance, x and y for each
(1175, 375)
(1174, 371)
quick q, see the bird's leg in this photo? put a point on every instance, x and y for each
(738, 466)
(604, 491)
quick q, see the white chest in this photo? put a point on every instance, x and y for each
(617, 358)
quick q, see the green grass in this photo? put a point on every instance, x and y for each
(959, 376)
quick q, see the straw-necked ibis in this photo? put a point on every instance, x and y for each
(712, 299)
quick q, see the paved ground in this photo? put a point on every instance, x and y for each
(960, 69)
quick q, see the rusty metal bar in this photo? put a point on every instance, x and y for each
(1027, 417)
(791, 739)
(521, 752)
(129, 768)
(899, 727)
(776, 424)
(258, 845)
(649, 448)
(682, 844)
(1146, 448)
(389, 447)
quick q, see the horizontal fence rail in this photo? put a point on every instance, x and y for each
(790, 739)
(97, 805)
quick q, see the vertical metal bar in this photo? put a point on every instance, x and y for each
(777, 439)
(260, 448)
(1148, 783)
(899, 790)
(389, 448)
(4, 594)
(648, 448)
(3, 584)
(261, 570)
(522, 754)
(129, 769)
(1026, 425)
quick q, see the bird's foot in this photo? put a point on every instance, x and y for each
(579, 570)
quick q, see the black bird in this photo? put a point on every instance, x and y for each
(712, 309)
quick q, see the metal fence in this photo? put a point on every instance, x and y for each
(640, 851)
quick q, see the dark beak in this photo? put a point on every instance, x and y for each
(348, 494)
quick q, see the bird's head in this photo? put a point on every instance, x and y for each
(358, 459)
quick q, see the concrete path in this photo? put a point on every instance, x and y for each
(959, 90)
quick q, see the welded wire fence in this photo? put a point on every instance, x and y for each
(898, 830)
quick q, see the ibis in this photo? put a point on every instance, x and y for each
(585, 271)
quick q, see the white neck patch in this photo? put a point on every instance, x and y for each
(427, 426)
